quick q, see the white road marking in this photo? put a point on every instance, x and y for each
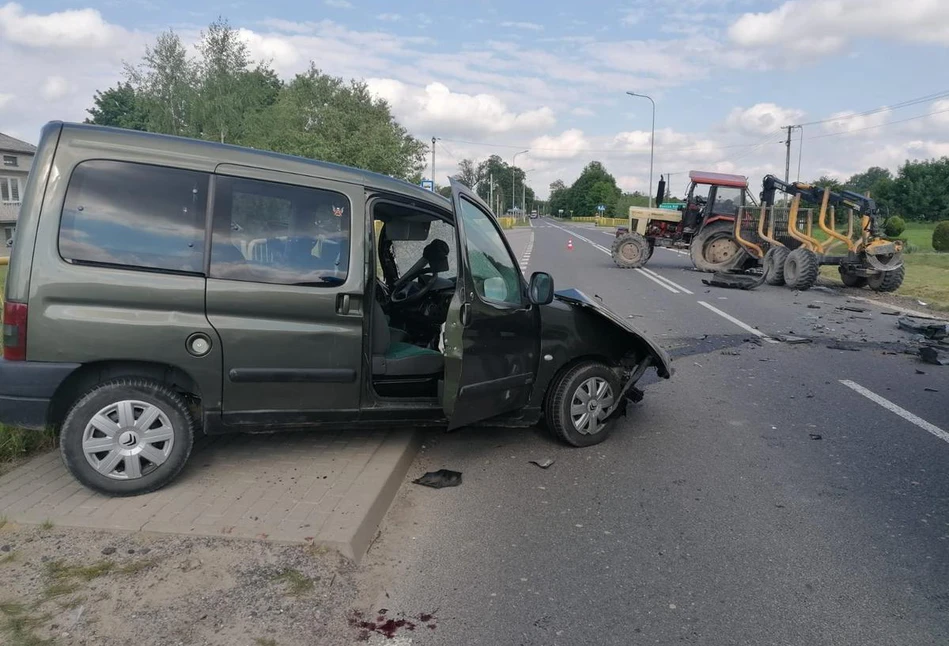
(665, 283)
(664, 279)
(526, 256)
(742, 325)
(896, 308)
(893, 408)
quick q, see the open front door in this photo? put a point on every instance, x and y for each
(491, 335)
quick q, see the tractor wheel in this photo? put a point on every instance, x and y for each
(630, 251)
(801, 269)
(774, 265)
(887, 281)
(850, 279)
(715, 248)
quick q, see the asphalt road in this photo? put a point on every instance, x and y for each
(767, 494)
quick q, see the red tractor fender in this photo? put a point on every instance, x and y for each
(728, 218)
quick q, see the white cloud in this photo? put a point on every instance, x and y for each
(5, 99)
(55, 87)
(813, 28)
(633, 16)
(582, 112)
(761, 119)
(338, 4)
(389, 17)
(436, 108)
(80, 28)
(566, 145)
(850, 123)
(533, 26)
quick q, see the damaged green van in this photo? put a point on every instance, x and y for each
(161, 286)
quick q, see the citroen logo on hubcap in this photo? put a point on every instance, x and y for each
(128, 439)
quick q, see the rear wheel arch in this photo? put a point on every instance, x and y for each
(89, 375)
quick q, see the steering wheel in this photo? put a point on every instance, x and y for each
(404, 293)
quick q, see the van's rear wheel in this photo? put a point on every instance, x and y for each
(580, 402)
(127, 437)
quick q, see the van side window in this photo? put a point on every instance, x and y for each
(135, 215)
(267, 232)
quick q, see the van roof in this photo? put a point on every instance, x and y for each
(246, 156)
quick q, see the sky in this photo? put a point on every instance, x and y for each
(551, 77)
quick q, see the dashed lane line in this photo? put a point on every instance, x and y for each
(893, 408)
(741, 324)
(526, 256)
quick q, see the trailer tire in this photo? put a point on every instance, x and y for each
(801, 269)
(774, 265)
(630, 251)
(887, 281)
(850, 279)
(717, 234)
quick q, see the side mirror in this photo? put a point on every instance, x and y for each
(541, 288)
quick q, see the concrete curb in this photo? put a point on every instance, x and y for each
(353, 524)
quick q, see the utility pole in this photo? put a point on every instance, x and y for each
(491, 191)
(787, 160)
(513, 194)
(433, 164)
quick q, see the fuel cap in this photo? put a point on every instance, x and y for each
(199, 344)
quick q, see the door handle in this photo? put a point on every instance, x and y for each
(465, 314)
(348, 304)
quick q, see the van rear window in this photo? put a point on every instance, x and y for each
(135, 215)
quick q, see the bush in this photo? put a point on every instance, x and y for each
(941, 236)
(894, 226)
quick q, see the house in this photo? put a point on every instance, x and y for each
(16, 159)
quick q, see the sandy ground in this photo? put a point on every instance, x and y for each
(74, 587)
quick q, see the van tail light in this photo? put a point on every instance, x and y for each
(14, 331)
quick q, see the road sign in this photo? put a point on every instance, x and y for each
(600, 208)
(428, 184)
(670, 205)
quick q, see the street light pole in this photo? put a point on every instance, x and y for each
(652, 139)
(513, 194)
(434, 139)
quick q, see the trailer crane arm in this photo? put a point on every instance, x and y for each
(862, 204)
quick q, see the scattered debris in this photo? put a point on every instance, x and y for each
(813, 306)
(793, 340)
(837, 345)
(934, 356)
(924, 304)
(920, 372)
(731, 353)
(734, 281)
(108, 550)
(439, 479)
(816, 436)
(852, 308)
(931, 390)
(935, 330)
(543, 464)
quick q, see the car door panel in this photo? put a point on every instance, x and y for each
(491, 342)
(288, 349)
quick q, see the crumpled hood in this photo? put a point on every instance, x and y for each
(577, 298)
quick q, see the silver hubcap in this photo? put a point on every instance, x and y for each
(128, 439)
(590, 405)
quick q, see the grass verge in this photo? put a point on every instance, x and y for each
(927, 278)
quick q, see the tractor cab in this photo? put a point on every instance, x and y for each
(713, 197)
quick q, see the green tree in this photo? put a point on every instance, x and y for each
(118, 106)
(503, 174)
(469, 173)
(869, 181)
(165, 81)
(594, 186)
(222, 100)
(921, 190)
(323, 117)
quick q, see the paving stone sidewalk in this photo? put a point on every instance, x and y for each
(329, 488)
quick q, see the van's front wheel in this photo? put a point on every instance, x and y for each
(580, 402)
(127, 437)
